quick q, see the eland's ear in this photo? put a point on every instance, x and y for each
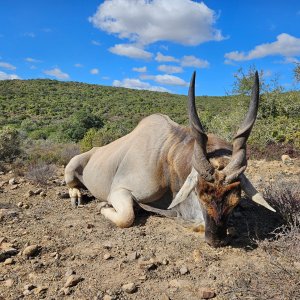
(251, 192)
(187, 187)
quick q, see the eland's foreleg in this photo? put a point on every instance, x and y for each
(122, 213)
(76, 197)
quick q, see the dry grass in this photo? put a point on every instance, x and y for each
(284, 196)
(40, 172)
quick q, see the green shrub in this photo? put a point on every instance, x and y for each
(10, 143)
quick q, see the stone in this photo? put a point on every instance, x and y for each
(107, 297)
(31, 251)
(205, 293)
(73, 280)
(129, 288)
(184, 270)
(9, 282)
(286, 159)
(29, 193)
(29, 287)
(26, 206)
(12, 181)
(107, 245)
(69, 272)
(9, 261)
(40, 290)
(107, 256)
(6, 251)
(38, 191)
(133, 256)
(43, 194)
(20, 204)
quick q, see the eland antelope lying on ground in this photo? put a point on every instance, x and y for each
(198, 177)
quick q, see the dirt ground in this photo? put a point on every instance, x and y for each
(49, 250)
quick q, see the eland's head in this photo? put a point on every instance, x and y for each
(217, 177)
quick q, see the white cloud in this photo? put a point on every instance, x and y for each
(165, 58)
(78, 65)
(290, 60)
(285, 45)
(166, 79)
(94, 71)
(57, 73)
(7, 66)
(32, 60)
(5, 76)
(170, 69)
(96, 43)
(140, 70)
(29, 34)
(192, 61)
(129, 50)
(181, 21)
(137, 84)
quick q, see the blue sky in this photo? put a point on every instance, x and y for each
(152, 45)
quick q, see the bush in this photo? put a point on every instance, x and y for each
(40, 172)
(284, 196)
(10, 143)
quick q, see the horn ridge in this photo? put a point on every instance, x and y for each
(238, 160)
(199, 160)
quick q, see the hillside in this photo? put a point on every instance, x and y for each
(65, 111)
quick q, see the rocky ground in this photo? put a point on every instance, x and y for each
(50, 251)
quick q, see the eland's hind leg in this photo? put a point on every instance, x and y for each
(121, 213)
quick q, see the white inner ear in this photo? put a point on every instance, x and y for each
(186, 188)
(251, 192)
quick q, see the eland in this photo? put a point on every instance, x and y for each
(170, 169)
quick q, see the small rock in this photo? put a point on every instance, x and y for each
(206, 293)
(12, 181)
(65, 291)
(165, 262)
(129, 288)
(73, 280)
(9, 261)
(69, 272)
(9, 282)
(107, 256)
(29, 193)
(20, 204)
(107, 245)
(27, 292)
(38, 191)
(40, 290)
(184, 270)
(6, 251)
(26, 206)
(31, 251)
(107, 297)
(133, 256)
(29, 287)
(286, 159)
(43, 194)
(89, 226)
(14, 187)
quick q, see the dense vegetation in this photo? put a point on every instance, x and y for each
(64, 112)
